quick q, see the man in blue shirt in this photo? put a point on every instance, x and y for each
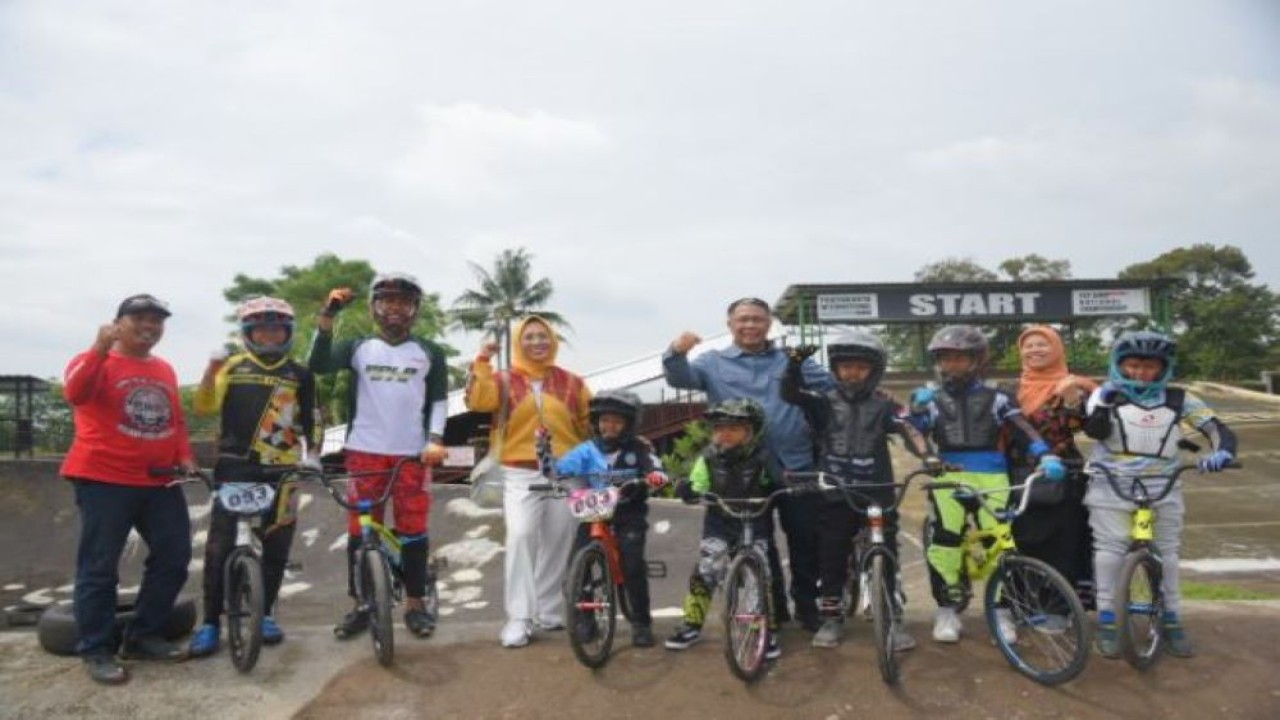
(753, 368)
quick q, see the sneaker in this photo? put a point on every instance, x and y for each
(552, 625)
(900, 640)
(1176, 642)
(351, 624)
(205, 642)
(946, 625)
(830, 634)
(1049, 624)
(684, 637)
(515, 634)
(152, 648)
(1107, 640)
(641, 635)
(774, 650)
(419, 622)
(104, 669)
(271, 632)
(1005, 625)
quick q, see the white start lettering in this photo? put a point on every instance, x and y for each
(973, 304)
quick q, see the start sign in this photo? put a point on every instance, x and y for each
(985, 302)
(976, 304)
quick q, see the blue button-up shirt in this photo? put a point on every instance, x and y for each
(736, 373)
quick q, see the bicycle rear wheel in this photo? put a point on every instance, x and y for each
(593, 612)
(1052, 645)
(1139, 606)
(884, 619)
(376, 588)
(746, 616)
(245, 597)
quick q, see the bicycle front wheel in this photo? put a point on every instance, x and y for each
(883, 617)
(746, 616)
(376, 587)
(593, 612)
(1139, 605)
(1049, 638)
(245, 597)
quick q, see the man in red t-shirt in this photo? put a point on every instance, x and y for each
(129, 421)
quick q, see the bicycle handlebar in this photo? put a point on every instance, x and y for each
(817, 481)
(327, 481)
(744, 513)
(980, 495)
(1137, 487)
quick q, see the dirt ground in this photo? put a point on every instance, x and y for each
(1235, 676)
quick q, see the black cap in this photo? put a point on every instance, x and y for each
(142, 303)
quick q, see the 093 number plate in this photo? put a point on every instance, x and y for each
(246, 498)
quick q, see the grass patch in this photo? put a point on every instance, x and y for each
(1217, 591)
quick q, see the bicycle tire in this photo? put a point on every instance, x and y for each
(883, 617)
(592, 604)
(1052, 646)
(1139, 603)
(377, 597)
(746, 616)
(245, 598)
(851, 598)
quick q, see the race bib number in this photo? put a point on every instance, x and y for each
(246, 498)
(593, 505)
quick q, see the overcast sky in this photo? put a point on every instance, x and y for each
(657, 158)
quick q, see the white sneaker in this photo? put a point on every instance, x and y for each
(515, 634)
(946, 625)
(1005, 625)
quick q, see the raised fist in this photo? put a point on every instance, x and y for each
(800, 353)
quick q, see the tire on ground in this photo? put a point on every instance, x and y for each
(58, 634)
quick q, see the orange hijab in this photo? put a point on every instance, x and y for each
(1037, 387)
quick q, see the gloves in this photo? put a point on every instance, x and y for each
(800, 353)
(1038, 448)
(433, 453)
(934, 465)
(1052, 467)
(219, 355)
(656, 479)
(921, 397)
(1108, 393)
(338, 299)
(1216, 462)
(684, 491)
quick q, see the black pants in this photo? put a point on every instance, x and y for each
(838, 523)
(1060, 535)
(630, 526)
(799, 516)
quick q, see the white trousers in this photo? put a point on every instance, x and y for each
(539, 538)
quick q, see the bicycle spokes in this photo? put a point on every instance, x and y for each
(1044, 635)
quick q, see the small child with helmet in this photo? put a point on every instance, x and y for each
(851, 424)
(266, 401)
(1138, 421)
(964, 416)
(734, 465)
(397, 405)
(615, 447)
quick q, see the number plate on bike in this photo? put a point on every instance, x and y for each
(593, 505)
(245, 498)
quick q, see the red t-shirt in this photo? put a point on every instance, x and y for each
(128, 418)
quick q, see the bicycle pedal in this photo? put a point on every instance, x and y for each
(655, 569)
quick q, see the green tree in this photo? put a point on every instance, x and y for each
(504, 295)
(1226, 326)
(679, 462)
(1030, 268)
(307, 288)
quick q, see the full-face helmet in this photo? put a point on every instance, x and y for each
(1143, 344)
(623, 403)
(265, 312)
(965, 339)
(858, 344)
(395, 284)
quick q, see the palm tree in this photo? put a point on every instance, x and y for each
(504, 295)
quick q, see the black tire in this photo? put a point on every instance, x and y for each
(376, 577)
(1052, 646)
(245, 598)
(592, 604)
(883, 616)
(1139, 603)
(57, 632)
(746, 616)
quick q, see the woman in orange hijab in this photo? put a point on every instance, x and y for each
(1055, 527)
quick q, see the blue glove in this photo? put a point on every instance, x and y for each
(1038, 448)
(1052, 467)
(1108, 393)
(1215, 462)
(921, 397)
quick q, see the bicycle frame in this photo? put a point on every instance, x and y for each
(983, 547)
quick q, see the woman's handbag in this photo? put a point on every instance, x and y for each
(486, 476)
